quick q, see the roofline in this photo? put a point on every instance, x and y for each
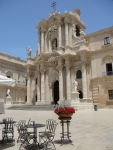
(100, 31)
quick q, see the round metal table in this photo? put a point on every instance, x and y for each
(35, 126)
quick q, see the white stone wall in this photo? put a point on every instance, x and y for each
(14, 67)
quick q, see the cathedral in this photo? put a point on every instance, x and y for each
(65, 53)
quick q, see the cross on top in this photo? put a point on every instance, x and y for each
(53, 5)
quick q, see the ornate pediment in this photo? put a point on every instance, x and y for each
(108, 58)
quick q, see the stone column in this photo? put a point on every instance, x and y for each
(33, 89)
(42, 41)
(59, 34)
(50, 49)
(42, 85)
(60, 67)
(93, 65)
(84, 80)
(70, 34)
(29, 89)
(68, 86)
(47, 97)
(66, 21)
(38, 86)
(46, 42)
(38, 41)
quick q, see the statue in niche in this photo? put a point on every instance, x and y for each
(82, 33)
(54, 45)
(8, 93)
(75, 84)
(29, 51)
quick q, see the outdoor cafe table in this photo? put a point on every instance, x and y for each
(35, 126)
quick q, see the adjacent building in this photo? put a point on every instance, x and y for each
(13, 67)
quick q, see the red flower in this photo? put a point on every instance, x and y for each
(64, 110)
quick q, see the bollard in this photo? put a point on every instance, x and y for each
(95, 107)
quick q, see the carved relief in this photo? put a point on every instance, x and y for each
(52, 28)
(54, 76)
(107, 58)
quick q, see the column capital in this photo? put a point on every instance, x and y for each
(59, 67)
(42, 70)
(29, 73)
(59, 22)
(43, 28)
(67, 65)
(66, 20)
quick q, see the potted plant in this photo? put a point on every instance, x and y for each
(64, 110)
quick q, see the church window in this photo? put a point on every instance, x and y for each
(79, 74)
(9, 74)
(110, 94)
(109, 69)
(106, 40)
(77, 31)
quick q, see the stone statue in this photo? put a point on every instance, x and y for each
(75, 83)
(54, 45)
(8, 93)
(29, 51)
(82, 33)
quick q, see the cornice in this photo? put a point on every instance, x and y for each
(103, 49)
(108, 57)
(83, 52)
(100, 32)
(71, 16)
(41, 23)
(9, 57)
(102, 79)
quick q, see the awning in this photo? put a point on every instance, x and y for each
(6, 81)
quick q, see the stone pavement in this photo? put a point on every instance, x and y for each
(90, 130)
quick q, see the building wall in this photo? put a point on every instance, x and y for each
(13, 67)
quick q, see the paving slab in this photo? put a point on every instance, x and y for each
(90, 130)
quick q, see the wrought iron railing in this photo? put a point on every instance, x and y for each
(109, 73)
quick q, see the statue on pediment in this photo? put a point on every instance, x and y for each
(75, 84)
(8, 93)
(29, 50)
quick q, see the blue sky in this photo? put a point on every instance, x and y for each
(18, 19)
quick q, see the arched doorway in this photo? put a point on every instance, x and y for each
(80, 94)
(56, 92)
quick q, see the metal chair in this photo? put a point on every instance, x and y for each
(8, 131)
(46, 137)
(24, 135)
(21, 128)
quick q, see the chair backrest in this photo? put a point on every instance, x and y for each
(51, 125)
(21, 127)
(8, 119)
(9, 124)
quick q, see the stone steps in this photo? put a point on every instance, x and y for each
(31, 107)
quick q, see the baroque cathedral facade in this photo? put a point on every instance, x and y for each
(65, 53)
